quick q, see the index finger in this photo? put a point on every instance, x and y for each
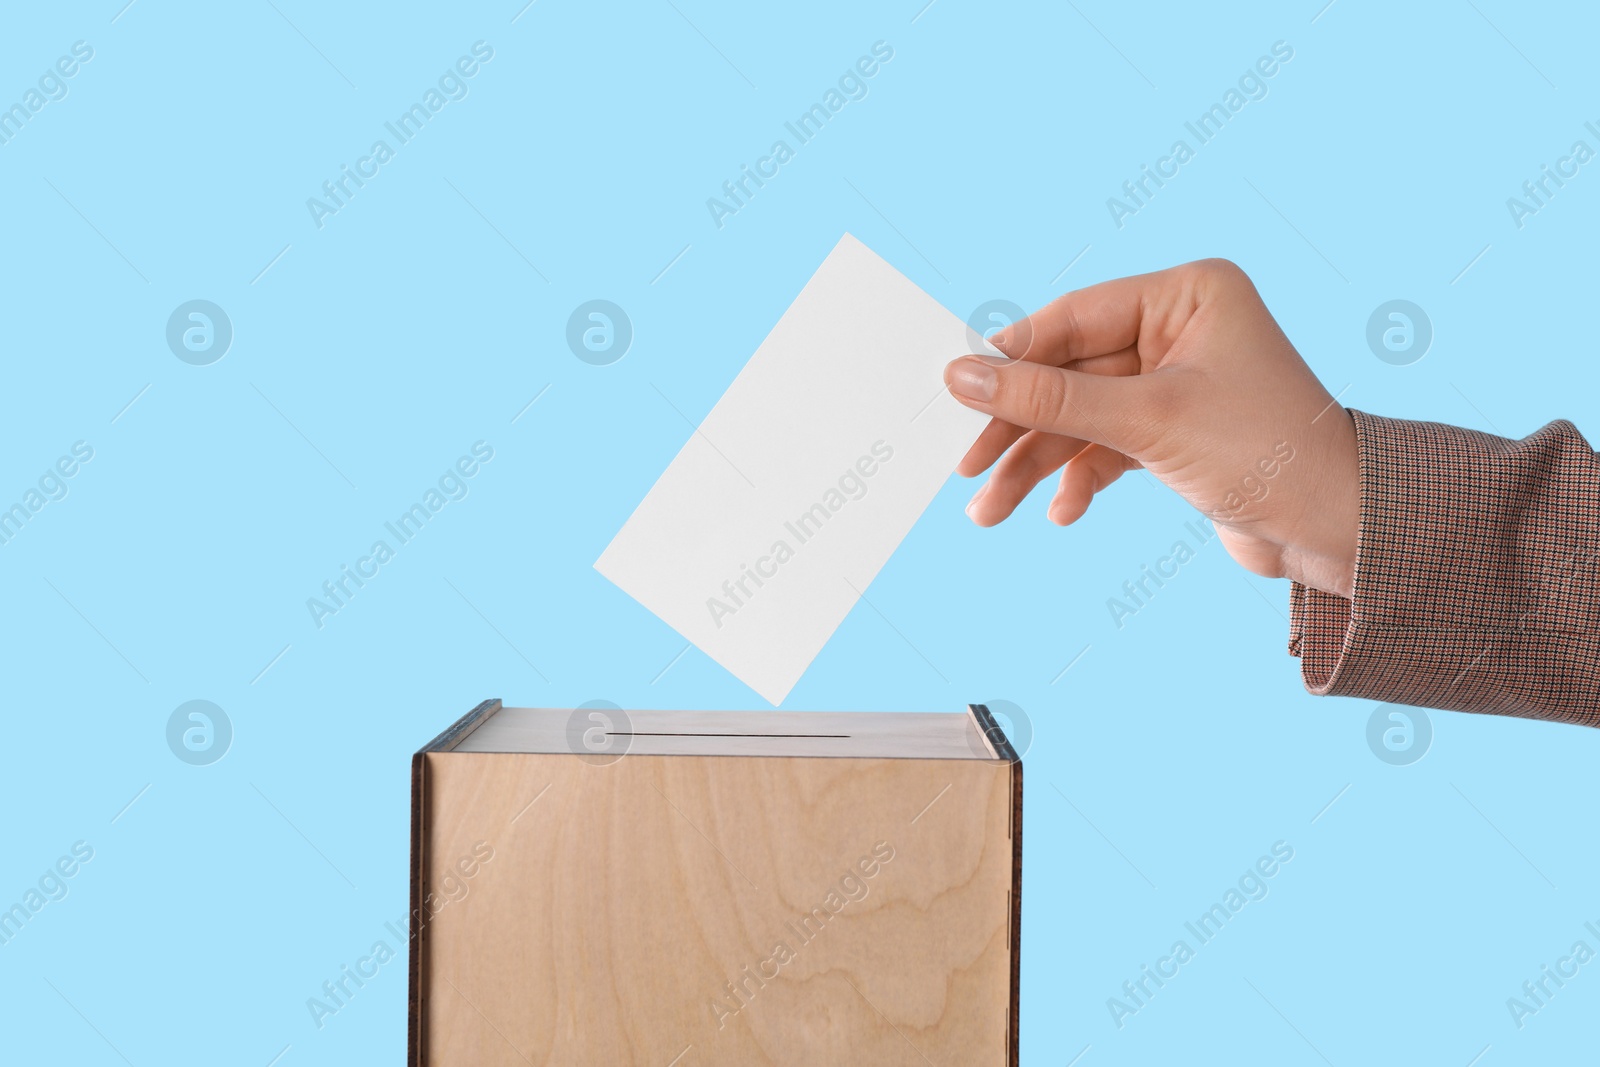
(999, 435)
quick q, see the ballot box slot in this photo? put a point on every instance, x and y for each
(641, 733)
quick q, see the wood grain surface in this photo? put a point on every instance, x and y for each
(624, 903)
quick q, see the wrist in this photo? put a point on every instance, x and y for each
(1321, 554)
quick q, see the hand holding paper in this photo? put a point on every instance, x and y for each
(1185, 373)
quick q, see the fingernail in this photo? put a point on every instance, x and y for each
(973, 379)
(972, 505)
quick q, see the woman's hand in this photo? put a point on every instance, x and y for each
(1185, 373)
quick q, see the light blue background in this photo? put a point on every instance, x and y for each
(376, 350)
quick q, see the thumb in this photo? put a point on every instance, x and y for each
(1108, 410)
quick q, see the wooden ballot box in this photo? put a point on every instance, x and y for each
(596, 886)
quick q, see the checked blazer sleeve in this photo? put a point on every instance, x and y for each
(1477, 580)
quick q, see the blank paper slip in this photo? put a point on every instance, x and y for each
(807, 474)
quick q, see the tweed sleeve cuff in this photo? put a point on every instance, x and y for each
(1477, 579)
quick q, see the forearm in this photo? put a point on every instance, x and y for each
(1477, 578)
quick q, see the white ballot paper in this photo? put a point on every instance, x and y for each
(789, 498)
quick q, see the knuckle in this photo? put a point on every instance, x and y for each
(1063, 318)
(1048, 398)
(1162, 403)
(1072, 332)
(1217, 268)
(1219, 274)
